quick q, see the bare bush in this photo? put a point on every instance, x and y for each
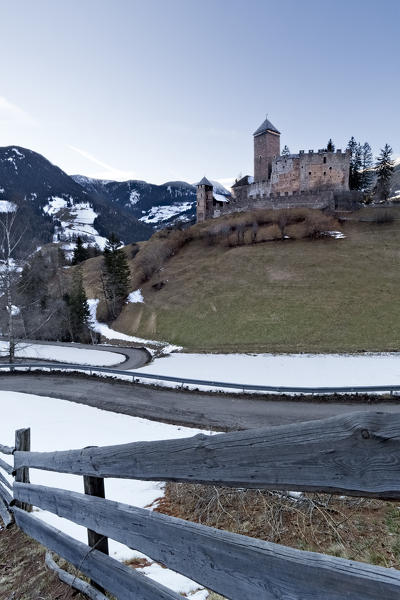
(254, 231)
(282, 221)
(153, 255)
(319, 522)
(317, 224)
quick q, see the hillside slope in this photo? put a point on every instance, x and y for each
(304, 295)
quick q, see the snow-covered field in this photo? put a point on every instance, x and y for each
(75, 220)
(293, 370)
(66, 354)
(61, 425)
(162, 213)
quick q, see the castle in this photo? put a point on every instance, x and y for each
(308, 179)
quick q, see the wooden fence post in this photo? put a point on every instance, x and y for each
(23, 443)
(94, 486)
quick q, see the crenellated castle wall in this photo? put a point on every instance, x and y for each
(310, 179)
(304, 172)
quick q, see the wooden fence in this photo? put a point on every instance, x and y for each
(356, 454)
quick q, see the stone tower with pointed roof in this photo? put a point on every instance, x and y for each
(204, 209)
(267, 146)
(317, 180)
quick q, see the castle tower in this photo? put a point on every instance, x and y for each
(204, 207)
(267, 145)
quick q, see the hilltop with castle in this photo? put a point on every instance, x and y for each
(308, 179)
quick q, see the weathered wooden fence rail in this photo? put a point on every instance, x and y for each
(22, 442)
(356, 454)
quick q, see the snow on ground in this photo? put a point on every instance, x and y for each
(13, 266)
(7, 207)
(62, 425)
(55, 205)
(291, 370)
(75, 219)
(338, 235)
(112, 334)
(163, 213)
(135, 297)
(66, 354)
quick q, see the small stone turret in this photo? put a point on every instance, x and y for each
(204, 208)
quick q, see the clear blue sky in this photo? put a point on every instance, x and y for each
(173, 89)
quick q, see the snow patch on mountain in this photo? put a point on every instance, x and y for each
(134, 197)
(158, 214)
(74, 220)
(7, 207)
(219, 188)
(18, 153)
(12, 156)
(54, 206)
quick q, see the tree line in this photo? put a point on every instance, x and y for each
(45, 300)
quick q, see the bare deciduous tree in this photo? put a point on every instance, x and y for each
(9, 240)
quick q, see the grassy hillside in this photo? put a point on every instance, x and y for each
(303, 295)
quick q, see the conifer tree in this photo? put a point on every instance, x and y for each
(367, 163)
(355, 164)
(115, 276)
(384, 169)
(80, 252)
(285, 151)
(331, 146)
(78, 309)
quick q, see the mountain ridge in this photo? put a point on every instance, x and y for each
(55, 206)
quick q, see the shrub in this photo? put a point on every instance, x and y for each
(316, 224)
(161, 246)
(283, 221)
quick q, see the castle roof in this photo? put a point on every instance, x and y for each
(266, 126)
(246, 180)
(205, 181)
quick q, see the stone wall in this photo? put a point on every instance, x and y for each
(322, 200)
(324, 170)
(305, 172)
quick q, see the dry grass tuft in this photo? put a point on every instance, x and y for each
(358, 529)
(23, 574)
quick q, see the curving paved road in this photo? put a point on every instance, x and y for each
(215, 411)
(134, 357)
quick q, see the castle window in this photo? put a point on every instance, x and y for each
(309, 172)
(324, 172)
(324, 159)
(330, 168)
